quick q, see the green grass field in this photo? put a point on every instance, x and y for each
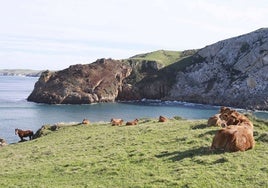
(151, 154)
(164, 57)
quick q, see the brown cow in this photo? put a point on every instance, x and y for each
(2, 142)
(116, 121)
(228, 117)
(135, 122)
(85, 122)
(162, 119)
(215, 121)
(234, 138)
(232, 117)
(224, 109)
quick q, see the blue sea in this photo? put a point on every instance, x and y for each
(16, 112)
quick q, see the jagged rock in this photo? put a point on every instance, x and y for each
(47, 129)
(232, 72)
(81, 84)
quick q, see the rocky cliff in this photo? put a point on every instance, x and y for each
(105, 80)
(81, 84)
(231, 72)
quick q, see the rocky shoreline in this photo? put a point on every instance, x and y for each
(20, 72)
(232, 72)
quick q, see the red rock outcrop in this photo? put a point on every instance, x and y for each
(100, 81)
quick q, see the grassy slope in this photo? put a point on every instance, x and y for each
(163, 57)
(172, 61)
(152, 154)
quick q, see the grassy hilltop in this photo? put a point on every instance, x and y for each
(164, 57)
(151, 154)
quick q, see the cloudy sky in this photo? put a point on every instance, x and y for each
(53, 34)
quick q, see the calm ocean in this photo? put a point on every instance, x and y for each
(16, 112)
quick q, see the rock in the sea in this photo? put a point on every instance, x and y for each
(81, 84)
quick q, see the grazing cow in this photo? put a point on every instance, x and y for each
(22, 133)
(233, 138)
(135, 122)
(162, 119)
(116, 121)
(85, 122)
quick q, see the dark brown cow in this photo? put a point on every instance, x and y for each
(162, 119)
(24, 133)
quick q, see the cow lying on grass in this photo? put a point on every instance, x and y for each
(233, 138)
(135, 122)
(162, 119)
(85, 122)
(215, 121)
(116, 121)
(228, 117)
(237, 134)
(232, 117)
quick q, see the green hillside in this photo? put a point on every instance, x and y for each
(151, 154)
(164, 57)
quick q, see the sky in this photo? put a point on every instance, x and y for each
(54, 34)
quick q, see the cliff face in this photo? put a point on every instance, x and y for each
(105, 80)
(233, 72)
(81, 84)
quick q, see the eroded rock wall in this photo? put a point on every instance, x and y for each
(81, 84)
(233, 72)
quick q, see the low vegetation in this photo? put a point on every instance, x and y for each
(164, 57)
(151, 154)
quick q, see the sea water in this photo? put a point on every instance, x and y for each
(17, 112)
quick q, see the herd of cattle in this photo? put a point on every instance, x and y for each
(236, 133)
(135, 122)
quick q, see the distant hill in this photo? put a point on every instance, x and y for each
(20, 72)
